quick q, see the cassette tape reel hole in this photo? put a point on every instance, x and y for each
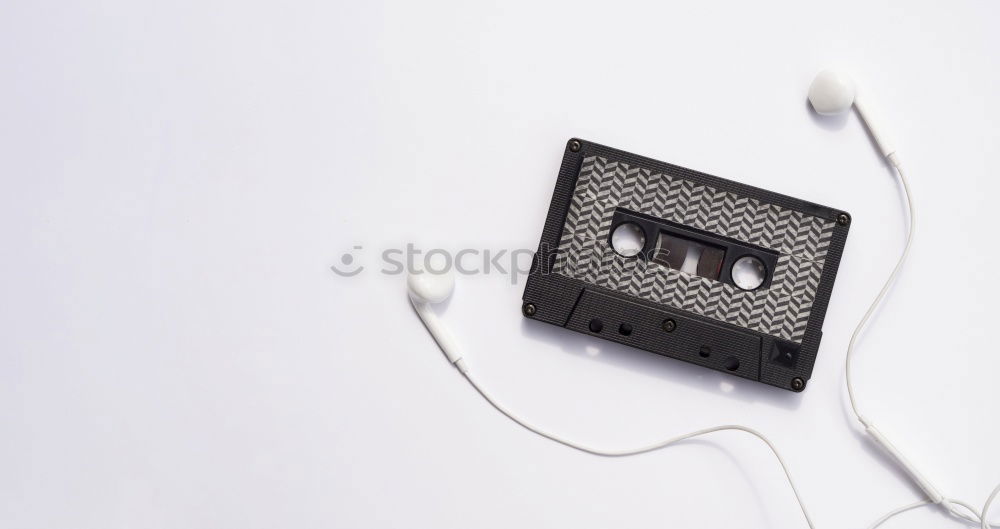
(749, 273)
(628, 239)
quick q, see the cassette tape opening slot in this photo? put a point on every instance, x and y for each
(693, 251)
(688, 255)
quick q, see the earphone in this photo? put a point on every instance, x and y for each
(833, 92)
(830, 93)
(428, 289)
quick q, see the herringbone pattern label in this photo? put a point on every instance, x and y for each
(801, 240)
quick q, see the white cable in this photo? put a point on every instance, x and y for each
(932, 493)
(934, 496)
(649, 448)
(979, 519)
(950, 504)
(986, 507)
(900, 510)
(885, 287)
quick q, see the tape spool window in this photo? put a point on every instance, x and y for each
(691, 251)
(689, 256)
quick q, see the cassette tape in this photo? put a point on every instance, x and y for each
(686, 265)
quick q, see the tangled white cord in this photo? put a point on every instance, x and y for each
(424, 291)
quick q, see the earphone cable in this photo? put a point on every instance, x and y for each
(641, 450)
(885, 287)
(900, 510)
(427, 291)
(978, 517)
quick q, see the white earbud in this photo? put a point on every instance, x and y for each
(428, 287)
(425, 289)
(833, 92)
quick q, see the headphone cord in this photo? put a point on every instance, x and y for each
(911, 210)
(649, 448)
(977, 516)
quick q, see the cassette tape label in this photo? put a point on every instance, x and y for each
(781, 308)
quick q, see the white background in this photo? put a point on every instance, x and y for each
(178, 177)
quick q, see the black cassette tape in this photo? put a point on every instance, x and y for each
(686, 265)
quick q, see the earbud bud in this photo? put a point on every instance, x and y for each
(428, 287)
(425, 289)
(833, 92)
